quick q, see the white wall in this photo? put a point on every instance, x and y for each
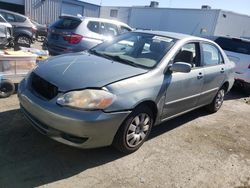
(123, 13)
(233, 24)
(188, 21)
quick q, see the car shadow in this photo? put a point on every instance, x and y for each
(29, 159)
(177, 122)
(236, 93)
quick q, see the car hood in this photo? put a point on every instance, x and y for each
(83, 70)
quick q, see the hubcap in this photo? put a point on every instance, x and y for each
(138, 130)
(219, 99)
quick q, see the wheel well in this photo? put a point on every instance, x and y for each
(23, 34)
(226, 86)
(151, 105)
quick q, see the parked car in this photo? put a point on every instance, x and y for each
(6, 33)
(24, 31)
(116, 92)
(41, 29)
(74, 34)
(238, 51)
(3, 36)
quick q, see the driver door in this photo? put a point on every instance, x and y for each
(183, 89)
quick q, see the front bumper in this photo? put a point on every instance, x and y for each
(83, 129)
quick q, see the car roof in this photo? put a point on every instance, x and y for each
(171, 35)
(106, 20)
(3, 10)
(96, 19)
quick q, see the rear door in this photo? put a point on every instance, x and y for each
(214, 72)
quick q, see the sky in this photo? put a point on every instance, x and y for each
(240, 6)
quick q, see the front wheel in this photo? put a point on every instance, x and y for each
(134, 130)
(217, 102)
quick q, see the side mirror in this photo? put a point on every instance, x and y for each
(181, 67)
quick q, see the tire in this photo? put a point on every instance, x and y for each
(246, 88)
(134, 130)
(23, 40)
(217, 102)
(7, 88)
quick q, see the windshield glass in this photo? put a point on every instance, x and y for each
(136, 49)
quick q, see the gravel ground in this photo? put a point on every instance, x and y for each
(195, 150)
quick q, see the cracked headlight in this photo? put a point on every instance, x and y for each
(89, 99)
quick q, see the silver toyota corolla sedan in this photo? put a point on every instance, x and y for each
(114, 93)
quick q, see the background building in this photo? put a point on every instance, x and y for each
(47, 11)
(13, 5)
(204, 21)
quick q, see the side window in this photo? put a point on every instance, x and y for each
(94, 26)
(20, 18)
(125, 29)
(108, 29)
(211, 55)
(111, 29)
(189, 53)
(10, 17)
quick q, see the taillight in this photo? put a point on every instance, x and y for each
(73, 38)
(34, 29)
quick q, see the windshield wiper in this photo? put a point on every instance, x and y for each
(119, 59)
(100, 54)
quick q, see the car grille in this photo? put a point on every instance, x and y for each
(42, 87)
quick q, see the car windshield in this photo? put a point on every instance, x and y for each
(136, 49)
(234, 45)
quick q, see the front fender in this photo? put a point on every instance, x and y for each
(133, 91)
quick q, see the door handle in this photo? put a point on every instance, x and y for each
(200, 76)
(222, 70)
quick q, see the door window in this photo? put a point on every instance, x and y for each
(94, 26)
(109, 29)
(211, 55)
(189, 53)
(10, 17)
(20, 18)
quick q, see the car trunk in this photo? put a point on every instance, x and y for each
(61, 33)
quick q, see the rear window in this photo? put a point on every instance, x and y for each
(67, 23)
(234, 45)
(20, 18)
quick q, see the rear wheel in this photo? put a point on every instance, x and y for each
(23, 40)
(7, 88)
(134, 131)
(217, 102)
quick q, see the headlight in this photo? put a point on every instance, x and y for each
(89, 99)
